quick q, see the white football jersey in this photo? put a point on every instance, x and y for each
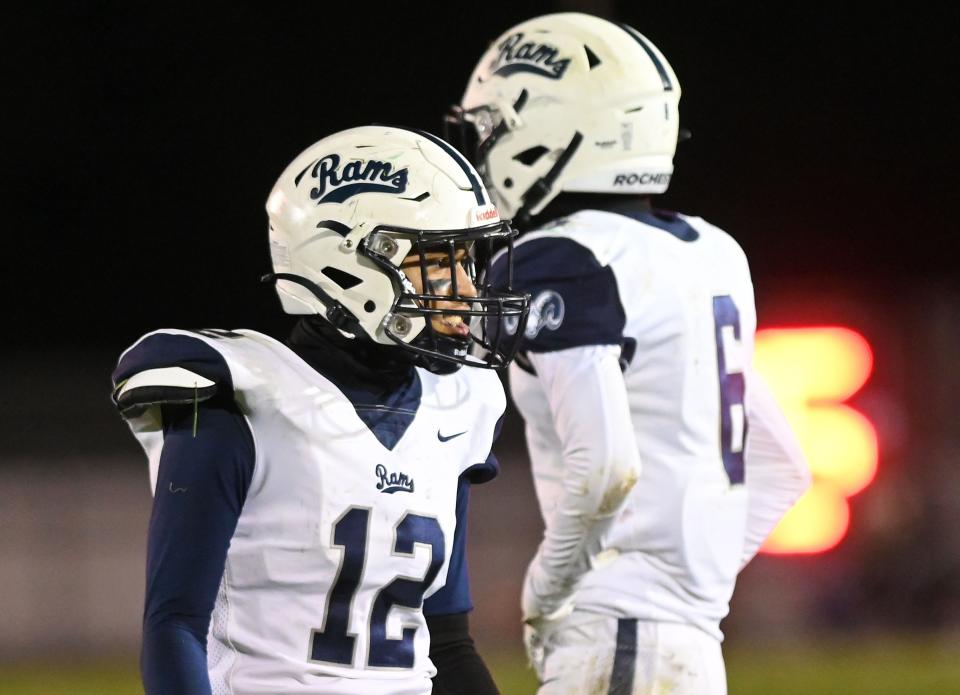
(340, 538)
(675, 293)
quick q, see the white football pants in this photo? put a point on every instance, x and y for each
(601, 655)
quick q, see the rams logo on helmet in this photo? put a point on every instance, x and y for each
(538, 58)
(334, 185)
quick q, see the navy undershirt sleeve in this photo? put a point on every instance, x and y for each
(204, 474)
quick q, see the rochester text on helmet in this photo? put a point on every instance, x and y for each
(645, 178)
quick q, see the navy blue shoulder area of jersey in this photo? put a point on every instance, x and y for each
(174, 350)
(574, 300)
(668, 221)
(480, 473)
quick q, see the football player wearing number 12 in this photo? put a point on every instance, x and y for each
(660, 461)
(307, 533)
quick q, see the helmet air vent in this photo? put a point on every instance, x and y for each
(591, 57)
(531, 155)
(343, 279)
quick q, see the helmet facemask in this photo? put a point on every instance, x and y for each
(440, 287)
(355, 207)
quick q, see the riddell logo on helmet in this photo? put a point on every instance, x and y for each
(357, 176)
(486, 214)
(532, 56)
(634, 179)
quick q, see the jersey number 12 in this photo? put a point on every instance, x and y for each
(332, 643)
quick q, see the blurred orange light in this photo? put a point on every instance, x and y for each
(804, 364)
(812, 371)
(817, 522)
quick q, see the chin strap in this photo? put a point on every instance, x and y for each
(542, 186)
(338, 315)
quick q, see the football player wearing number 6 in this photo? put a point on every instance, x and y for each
(307, 532)
(660, 461)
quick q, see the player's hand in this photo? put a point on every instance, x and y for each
(545, 599)
(533, 645)
(538, 626)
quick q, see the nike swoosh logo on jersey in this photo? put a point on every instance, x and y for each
(447, 439)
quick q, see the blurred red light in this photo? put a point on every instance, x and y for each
(812, 371)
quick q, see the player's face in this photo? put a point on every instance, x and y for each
(440, 281)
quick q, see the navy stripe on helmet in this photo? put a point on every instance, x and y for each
(296, 180)
(478, 189)
(661, 68)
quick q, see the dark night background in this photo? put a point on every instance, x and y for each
(141, 141)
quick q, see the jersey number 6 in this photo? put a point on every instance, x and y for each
(332, 643)
(733, 420)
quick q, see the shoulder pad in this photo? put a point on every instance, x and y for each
(575, 299)
(163, 385)
(169, 368)
(543, 259)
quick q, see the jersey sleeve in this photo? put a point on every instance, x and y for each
(590, 408)
(165, 369)
(776, 471)
(574, 299)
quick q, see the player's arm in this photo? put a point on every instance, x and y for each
(573, 343)
(591, 416)
(201, 484)
(202, 453)
(776, 470)
(460, 668)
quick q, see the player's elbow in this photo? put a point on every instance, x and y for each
(615, 482)
(598, 478)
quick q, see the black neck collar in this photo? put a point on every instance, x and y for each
(353, 363)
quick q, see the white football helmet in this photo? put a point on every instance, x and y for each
(569, 102)
(348, 210)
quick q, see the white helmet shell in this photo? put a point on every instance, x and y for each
(326, 208)
(574, 103)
